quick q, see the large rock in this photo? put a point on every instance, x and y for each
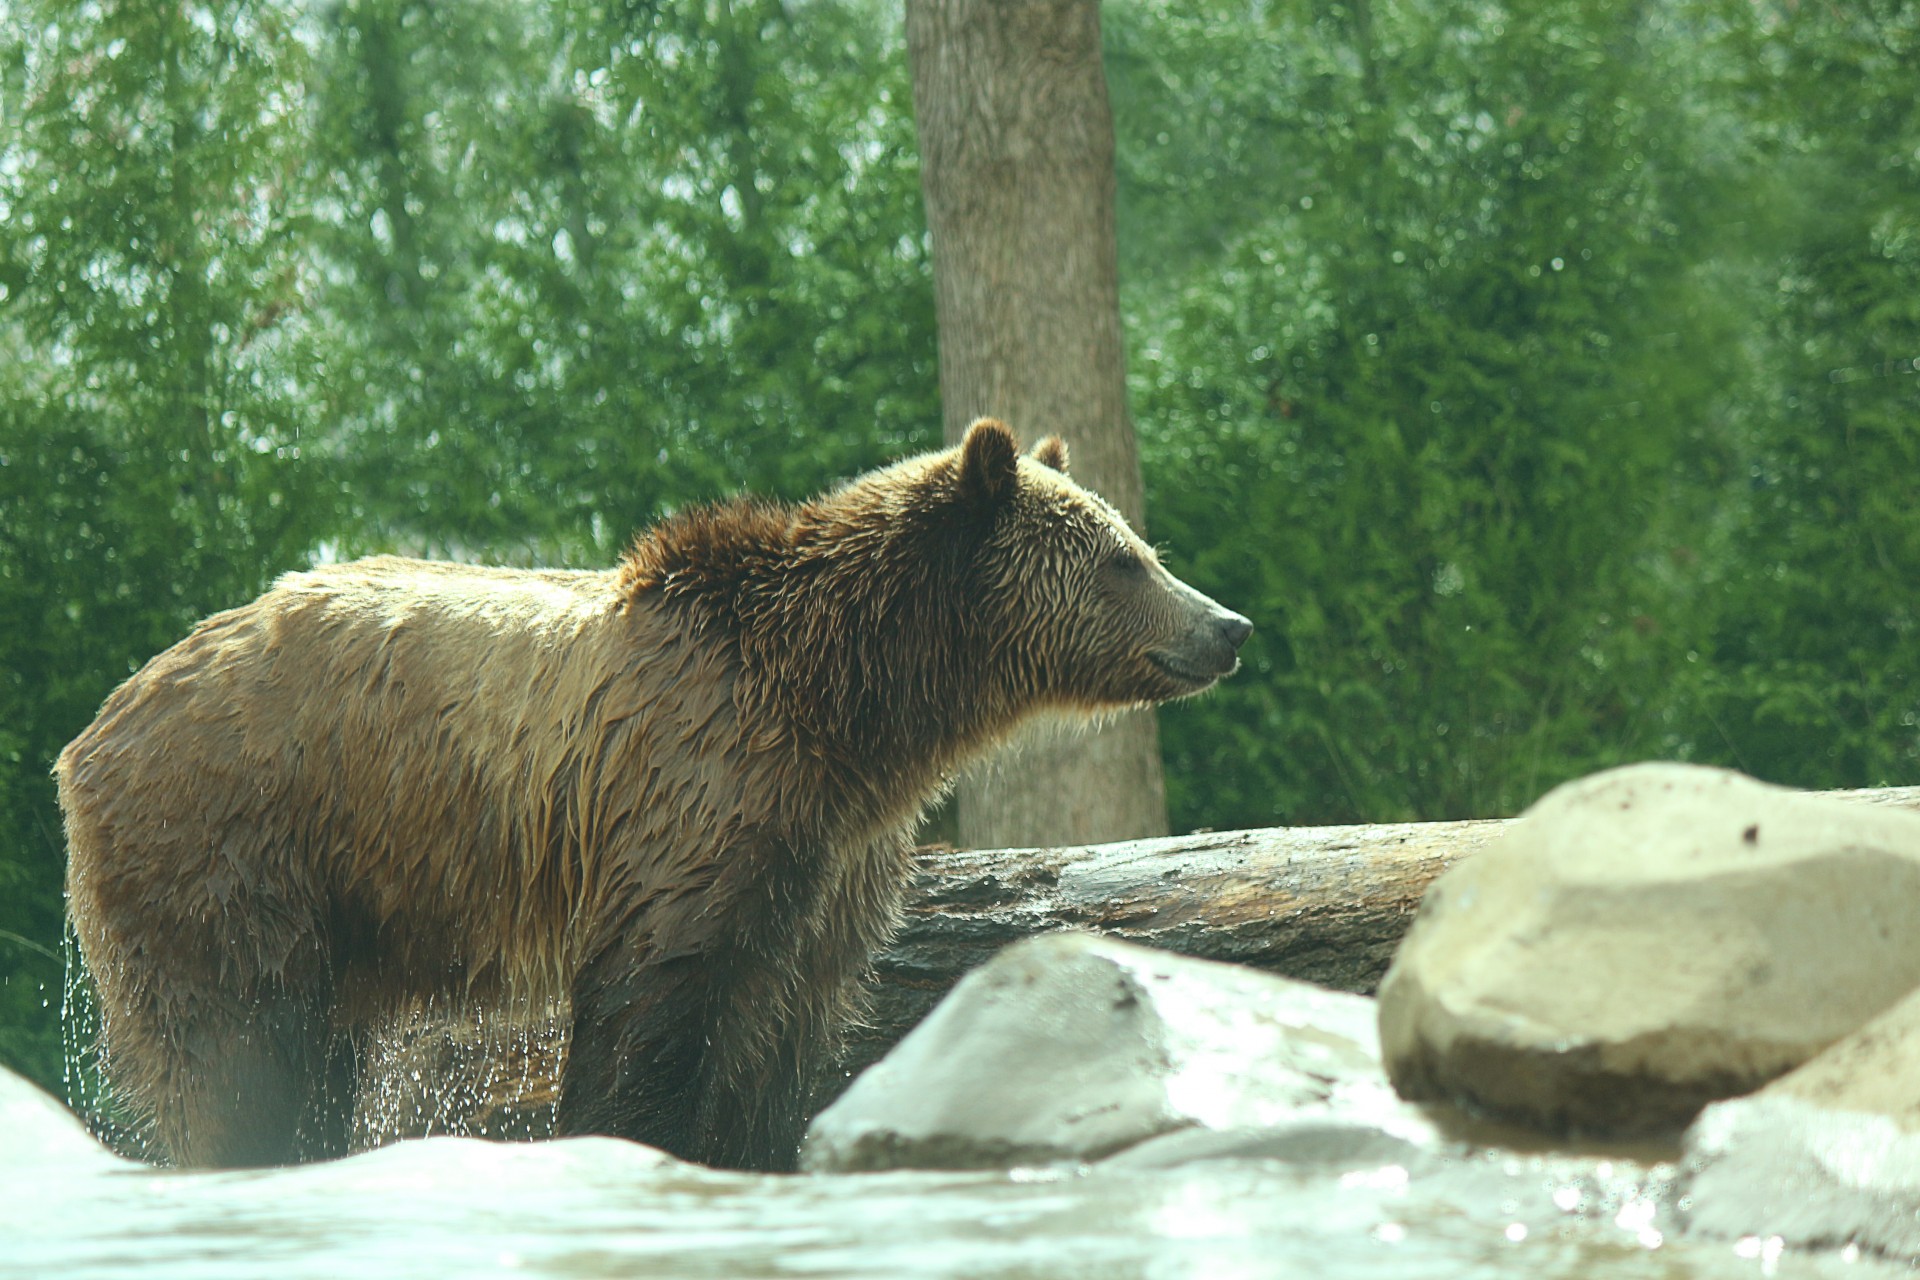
(1828, 1154)
(1072, 1046)
(1647, 940)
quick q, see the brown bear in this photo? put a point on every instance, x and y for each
(675, 798)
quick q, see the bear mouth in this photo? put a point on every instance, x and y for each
(1183, 673)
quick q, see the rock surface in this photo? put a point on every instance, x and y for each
(40, 1132)
(1828, 1154)
(1072, 1047)
(1772, 1166)
(1649, 939)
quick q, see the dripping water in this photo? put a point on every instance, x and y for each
(473, 1072)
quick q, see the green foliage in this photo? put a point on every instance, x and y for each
(584, 264)
(1448, 373)
(1812, 675)
(1466, 344)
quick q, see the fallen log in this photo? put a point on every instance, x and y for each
(1324, 904)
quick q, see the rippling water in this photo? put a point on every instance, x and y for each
(593, 1207)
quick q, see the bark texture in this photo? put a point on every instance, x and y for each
(1016, 141)
(1322, 904)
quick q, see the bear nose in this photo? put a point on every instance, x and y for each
(1234, 628)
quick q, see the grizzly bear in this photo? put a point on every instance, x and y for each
(675, 798)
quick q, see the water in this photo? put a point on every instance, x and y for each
(597, 1207)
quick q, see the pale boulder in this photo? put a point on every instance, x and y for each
(1073, 1047)
(1647, 940)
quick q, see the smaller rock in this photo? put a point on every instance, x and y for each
(1874, 1071)
(1781, 1166)
(1828, 1154)
(1072, 1047)
(1648, 940)
(37, 1132)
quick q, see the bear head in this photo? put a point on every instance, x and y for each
(1088, 616)
(1050, 599)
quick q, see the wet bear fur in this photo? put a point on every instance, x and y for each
(675, 798)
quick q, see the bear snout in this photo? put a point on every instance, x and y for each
(1215, 648)
(1208, 643)
(1234, 628)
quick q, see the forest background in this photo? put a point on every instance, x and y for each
(1541, 378)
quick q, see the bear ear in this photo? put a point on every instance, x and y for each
(1052, 452)
(989, 461)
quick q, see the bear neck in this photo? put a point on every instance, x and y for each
(875, 671)
(862, 653)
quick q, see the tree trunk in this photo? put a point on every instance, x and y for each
(1016, 145)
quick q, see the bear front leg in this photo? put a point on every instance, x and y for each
(690, 1056)
(633, 1056)
(790, 986)
(757, 1086)
(226, 1085)
(702, 1030)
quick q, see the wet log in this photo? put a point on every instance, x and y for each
(1322, 904)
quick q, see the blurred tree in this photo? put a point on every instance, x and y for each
(1017, 141)
(585, 263)
(1812, 676)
